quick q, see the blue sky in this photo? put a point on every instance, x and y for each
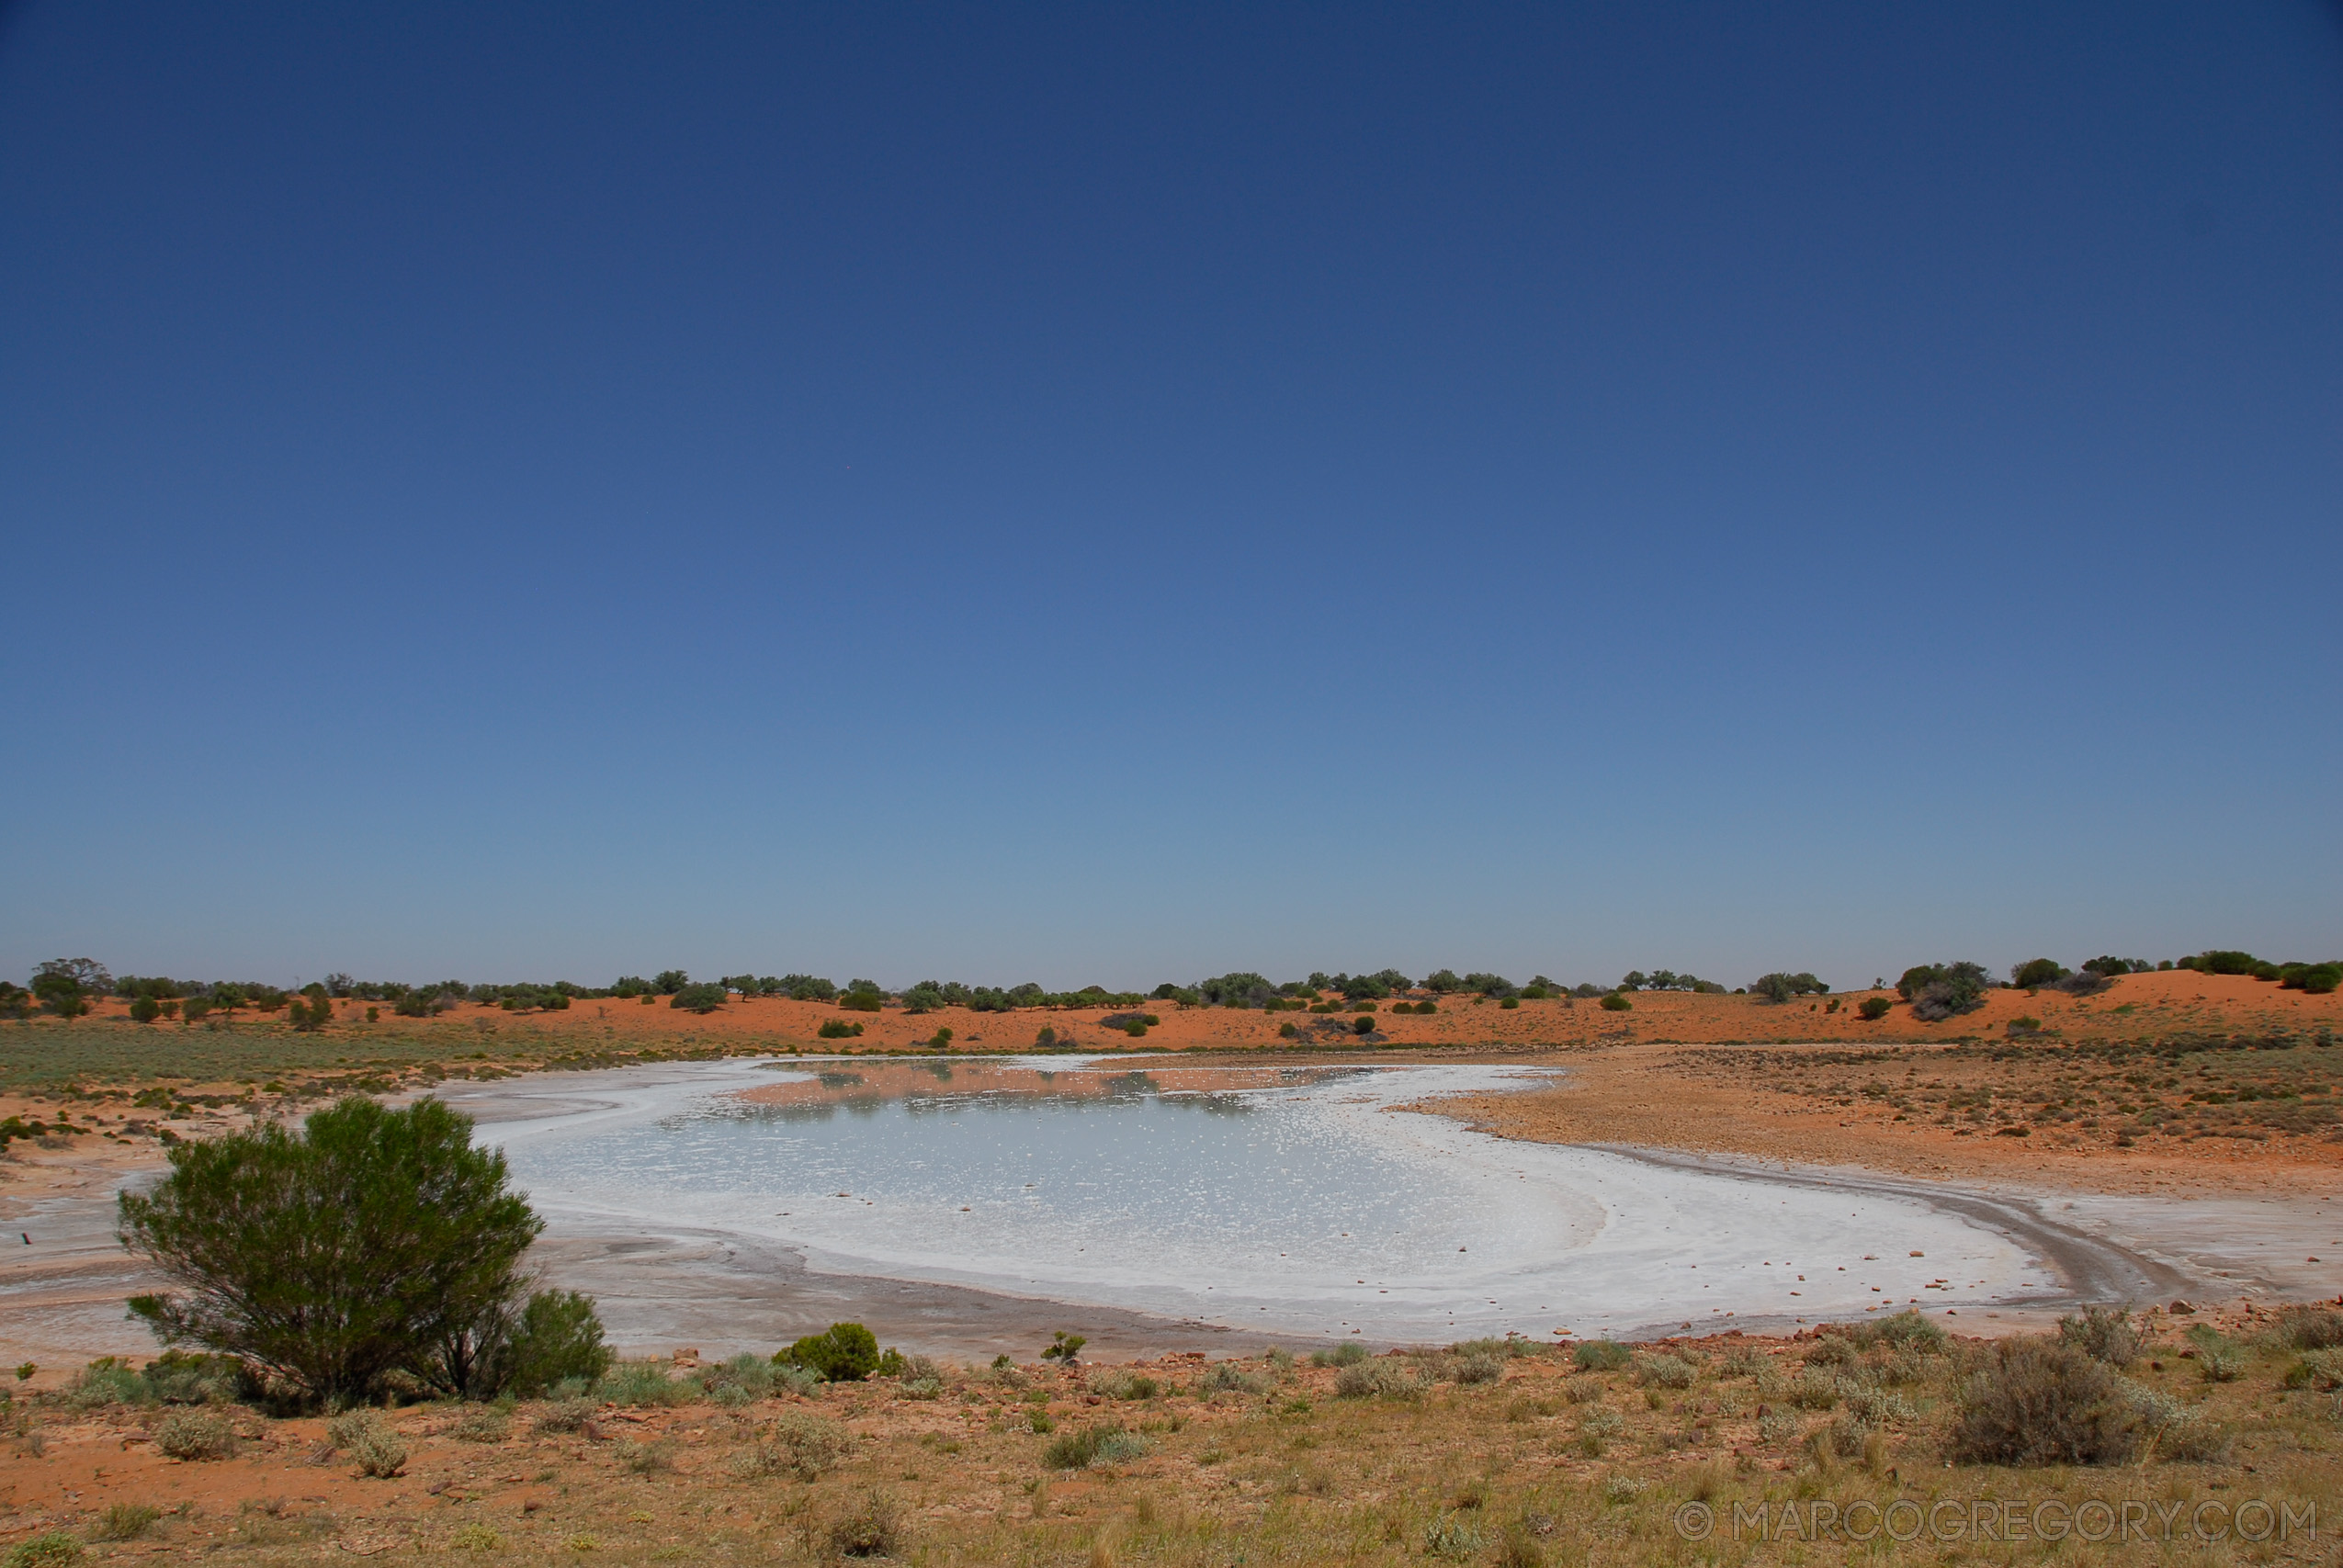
(1101, 494)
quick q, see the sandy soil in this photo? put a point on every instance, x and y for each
(1261, 1459)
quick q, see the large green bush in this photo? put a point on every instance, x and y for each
(2036, 972)
(331, 1257)
(1939, 991)
(2038, 1400)
(1780, 987)
(845, 1352)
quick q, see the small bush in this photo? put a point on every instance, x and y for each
(797, 1445)
(377, 1452)
(1777, 1427)
(1618, 1001)
(2311, 1328)
(1480, 1367)
(1906, 1330)
(124, 1521)
(50, 1549)
(2104, 1334)
(1667, 1371)
(1453, 1538)
(800, 1381)
(566, 1415)
(838, 1029)
(1601, 1356)
(476, 1538)
(1227, 1376)
(1349, 1353)
(645, 1383)
(1814, 1390)
(1873, 1009)
(108, 1381)
(1581, 1391)
(1109, 1444)
(646, 1458)
(195, 1435)
(1121, 1382)
(1378, 1380)
(748, 1371)
(2174, 1430)
(873, 1529)
(2038, 1402)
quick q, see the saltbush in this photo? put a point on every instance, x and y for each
(196, 1435)
(1384, 1379)
(1618, 1001)
(1349, 1353)
(1873, 1009)
(797, 1444)
(2038, 1400)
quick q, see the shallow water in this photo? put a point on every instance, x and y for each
(1294, 1202)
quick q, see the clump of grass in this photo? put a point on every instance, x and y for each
(2310, 1328)
(2104, 1334)
(796, 1445)
(800, 1381)
(1478, 1368)
(2174, 1430)
(1777, 1427)
(748, 1373)
(874, 1529)
(124, 1521)
(2038, 1402)
(1227, 1376)
(2218, 1359)
(645, 1383)
(1108, 1444)
(1447, 1536)
(1667, 1371)
(1378, 1380)
(1348, 1353)
(476, 1538)
(369, 1442)
(194, 1435)
(566, 1415)
(646, 1458)
(1121, 1382)
(105, 1382)
(50, 1549)
(482, 1424)
(1601, 1356)
(1814, 1390)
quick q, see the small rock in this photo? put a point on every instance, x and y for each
(2182, 1309)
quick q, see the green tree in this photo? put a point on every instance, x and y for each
(704, 996)
(521, 1347)
(1780, 987)
(2036, 972)
(145, 1010)
(333, 1256)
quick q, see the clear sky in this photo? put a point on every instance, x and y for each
(1111, 494)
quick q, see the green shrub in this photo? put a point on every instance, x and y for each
(2039, 1402)
(1063, 1347)
(378, 1453)
(2310, 1328)
(51, 1548)
(1873, 1009)
(2035, 973)
(2318, 979)
(1288, 1031)
(1600, 1356)
(863, 1001)
(1939, 991)
(845, 1352)
(482, 1424)
(645, 1382)
(195, 1435)
(1510, 1003)
(1480, 1367)
(1667, 1371)
(337, 1255)
(1107, 1444)
(124, 1521)
(108, 1381)
(838, 1029)
(797, 1445)
(1347, 1354)
(1618, 1001)
(1227, 1376)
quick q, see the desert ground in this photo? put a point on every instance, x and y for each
(2168, 1093)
